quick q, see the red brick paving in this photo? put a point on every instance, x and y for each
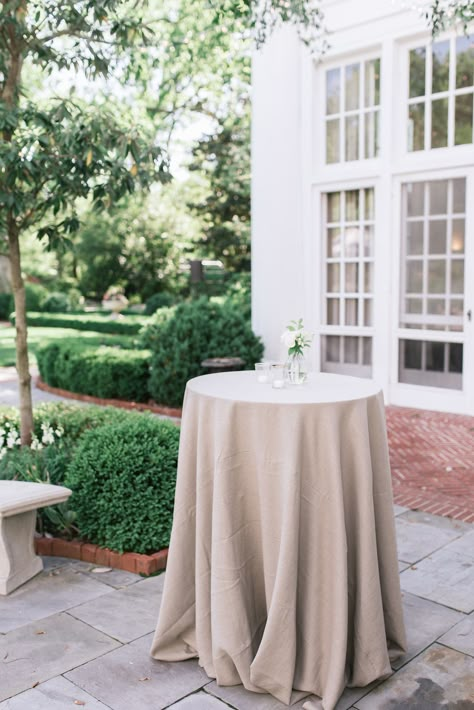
(432, 458)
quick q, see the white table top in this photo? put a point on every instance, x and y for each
(319, 389)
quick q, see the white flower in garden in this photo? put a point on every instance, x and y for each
(59, 432)
(48, 434)
(13, 439)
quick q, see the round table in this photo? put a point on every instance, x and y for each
(282, 571)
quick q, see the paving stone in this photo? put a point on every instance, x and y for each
(425, 622)
(125, 614)
(461, 636)
(129, 679)
(52, 562)
(116, 578)
(199, 701)
(416, 540)
(437, 521)
(439, 678)
(55, 694)
(399, 509)
(447, 576)
(402, 566)
(239, 697)
(44, 649)
(49, 593)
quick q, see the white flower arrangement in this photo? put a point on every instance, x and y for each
(10, 436)
(295, 338)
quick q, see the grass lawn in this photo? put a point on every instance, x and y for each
(39, 336)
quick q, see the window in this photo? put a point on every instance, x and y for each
(353, 111)
(434, 215)
(441, 94)
(348, 277)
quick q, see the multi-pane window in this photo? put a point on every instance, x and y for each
(353, 111)
(348, 278)
(441, 94)
(433, 280)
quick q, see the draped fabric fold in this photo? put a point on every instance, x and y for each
(282, 573)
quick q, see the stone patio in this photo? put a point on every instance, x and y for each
(80, 636)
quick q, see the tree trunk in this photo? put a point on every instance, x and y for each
(22, 365)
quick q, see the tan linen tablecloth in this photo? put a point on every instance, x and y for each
(282, 572)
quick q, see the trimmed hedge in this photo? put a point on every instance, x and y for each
(123, 480)
(182, 337)
(106, 371)
(126, 325)
(6, 305)
(159, 300)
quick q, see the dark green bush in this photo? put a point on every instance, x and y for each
(123, 480)
(35, 296)
(106, 371)
(159, 300)
(125, 325)
(56, 303)
(6, 305)
(189, 334)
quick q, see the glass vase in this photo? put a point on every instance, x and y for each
(296, 369)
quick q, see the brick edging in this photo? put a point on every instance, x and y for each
(121, 403)
(87, 552)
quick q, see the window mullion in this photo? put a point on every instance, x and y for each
(428, 86)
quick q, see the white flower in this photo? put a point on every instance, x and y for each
(2, 453)
(13, 439)
(288, 338)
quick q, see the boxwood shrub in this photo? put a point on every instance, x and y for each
(123, 481)
(188, 334)
(6, 305)
(126, 325)
(105, 371)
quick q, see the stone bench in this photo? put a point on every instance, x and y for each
(19, 501)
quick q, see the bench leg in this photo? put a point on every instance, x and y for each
(18, 561)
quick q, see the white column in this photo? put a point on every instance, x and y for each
(277, 188)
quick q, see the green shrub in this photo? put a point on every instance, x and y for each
(105, 371)
(101, 323)
(35, 296)
(6, 305)
(123, 480)
(190, 333)
(56, 303)
(159, 300)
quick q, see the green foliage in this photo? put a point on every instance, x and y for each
(56, 302)
(36, 294)
(6, 305)
(159, 300)
(106, 371)
(192, 332)
(442, 14)
(124, 325)
(123, 480)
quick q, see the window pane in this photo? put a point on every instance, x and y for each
(369, 211)
(415, 276)
(371, 134)
(368, 278)
(455, 357)
(352, 87)
(368, 240)
(367, 311)
(436, 306)
(463, 119)
(459, 195)
(334, 206)
(333, 311)
(351, 350)
(435, 357)
(352, 278)
(351, 311)
(416, 198)
(414, 305)
(367, 351)
(351, 241)
(416, 127)
(457, 276)
(332, 348)
(352, 205)
(438, 190)
(412, 354)
(333, 284)
(440, 56)
(333, 91)
(437, 236)
(456, 307)
(334, 242)
(352, 138)
(332, 141)
(372, 83)
(464, 62)
(414, 238)
(437, 276)
(417, 72)
(457, 236)
(439, 123)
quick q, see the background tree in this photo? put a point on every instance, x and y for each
(51, 156)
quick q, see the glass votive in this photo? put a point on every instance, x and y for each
(278, 377)
(262, 370)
